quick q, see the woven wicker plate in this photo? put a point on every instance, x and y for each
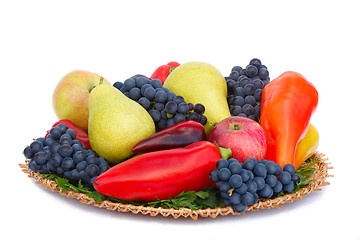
(319, 177)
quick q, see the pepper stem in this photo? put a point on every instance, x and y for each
(224, 152)
(171, 69)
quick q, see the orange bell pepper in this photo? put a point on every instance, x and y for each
(287, 105)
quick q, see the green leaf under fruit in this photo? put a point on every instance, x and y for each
(64, 184)
(207, 198)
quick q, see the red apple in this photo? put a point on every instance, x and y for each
(245, 137)
(71, 96)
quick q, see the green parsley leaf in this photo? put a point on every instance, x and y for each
(63, 183)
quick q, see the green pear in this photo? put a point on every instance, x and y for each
(200, 82)
(116, 123)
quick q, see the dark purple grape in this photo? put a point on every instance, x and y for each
(258, 84)
(68, 164)
(256, 62)
(193, 116)
(248, 109)
(91, 159)
(81, 166)
(156, 83)
(135, 94)
(118, 85)
(183, 108)
(65, 150)
(250, 100)
(144, 87)
(170, 122)
(144, 102)
(71, 133)
(36, 146)
(56, 132)
(249, 89)
(171, 107)
(159, 106)
(263, 73)
(199, 108)
(251, 71)
(179, 118)
(92, 170)
(41, 158)
(155, 115)
(129, 84)
(161, 97)
(191, 106)
(27, 152)
(202, 119)
(238, 101)
(178, 99)
(79, 156)
(236, 110)
(33, 166)
(149, 93)
(243, 81)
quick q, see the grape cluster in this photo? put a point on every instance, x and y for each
(61, 154)
(245, 86)
(165, 107)
(241, 184)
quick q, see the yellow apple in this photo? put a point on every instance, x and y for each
(71, 96)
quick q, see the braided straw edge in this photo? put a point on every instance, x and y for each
(319, 176)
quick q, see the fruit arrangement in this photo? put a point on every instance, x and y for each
(185, 139)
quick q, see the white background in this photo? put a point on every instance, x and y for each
(41, 41)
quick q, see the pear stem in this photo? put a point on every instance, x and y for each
(101, 80)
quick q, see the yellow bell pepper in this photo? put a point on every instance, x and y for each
(307, 146)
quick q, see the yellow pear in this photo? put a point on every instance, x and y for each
(200, 82)
(116, 123)
(307, 146)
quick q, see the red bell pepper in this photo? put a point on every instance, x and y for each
(161, 174)
(163, 71)
(287, 105)
(178, 135)
(81, 135)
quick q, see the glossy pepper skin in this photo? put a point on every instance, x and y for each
(163, 71)
(287, 105)
(307, 146)
(81, 135)
(161, 174)
(178, 135)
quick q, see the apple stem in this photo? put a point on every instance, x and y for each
(235, 126)
(101, 80)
